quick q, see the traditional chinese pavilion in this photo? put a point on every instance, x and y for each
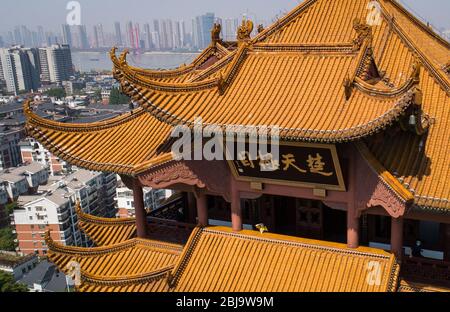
(363, 109)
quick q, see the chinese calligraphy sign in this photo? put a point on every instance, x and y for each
(302, 164)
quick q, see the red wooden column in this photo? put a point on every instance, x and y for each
(236, 211)
(352, 227)
(141, 215)
(352, 213)
(202, 210)
(397, 237)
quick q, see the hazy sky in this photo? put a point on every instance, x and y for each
(52, 13)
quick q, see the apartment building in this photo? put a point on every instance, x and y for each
(53, 208)
(33, 151)
(125, 202)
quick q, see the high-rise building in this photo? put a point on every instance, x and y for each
(148, 37)
(118, 32)
(41, 36)
(204, 24)
(130, 34)
(2, 43)
(99, 38)
(20, 69)
(67, 35)
(56, 64)
(80, 39)
(229, 31)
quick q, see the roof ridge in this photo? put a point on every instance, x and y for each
(442, 79)
(279, 24)
(33, 118)
(419, 23)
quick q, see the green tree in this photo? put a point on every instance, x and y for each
(56, 92)
(117, 98)
(7, 284)
(7, 239)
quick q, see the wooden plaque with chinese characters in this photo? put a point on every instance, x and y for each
(301, 164)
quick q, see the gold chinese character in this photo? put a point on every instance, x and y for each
(288, 161)
(245, 159)
(316, 165)
(268, 163)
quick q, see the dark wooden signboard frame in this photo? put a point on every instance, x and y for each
(310, 165)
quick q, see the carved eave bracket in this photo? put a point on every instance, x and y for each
(381, 189)
(169, 175)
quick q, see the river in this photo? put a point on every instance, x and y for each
(99, 61)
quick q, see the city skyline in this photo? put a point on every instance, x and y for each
(51, 13)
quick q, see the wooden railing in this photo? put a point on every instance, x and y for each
(426, 270)
(169, 210)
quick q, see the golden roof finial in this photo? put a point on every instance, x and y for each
(245, 30)
(417, 67)
(364, 32)
(260, 28)
(123, 57)
(215, 33)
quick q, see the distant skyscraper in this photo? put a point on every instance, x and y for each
(148, 37)
(204, 24)
(99, 38)
(41, 36)
(2, 43)
(56, 64)
(130, 34)
(20, 69)
(118, 31)
(79, 37)
(17, 36)
(229, 30)
(67, 35)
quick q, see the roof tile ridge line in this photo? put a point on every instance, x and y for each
(344, 250)
(181, 264)
(305, 47)
(159, 244)
(166, 86)
(443, 80)
(57, 151)
(239, 58)
(393, 280)
(76, 127)
(214, 68)
(396, 187)
(368, 89)
(431, 209)
(156, 161)
(284, 20)
(86, 251)
(160, 73)
(419, 23)
(384, 120)
(126, 279)
(100, 220)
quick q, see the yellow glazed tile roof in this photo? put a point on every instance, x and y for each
(111, 145)
(106, 231)
(115, 267)
(292, 75)
(219, 260)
